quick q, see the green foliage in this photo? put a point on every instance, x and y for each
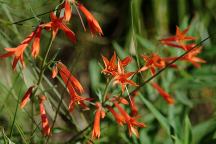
(130, 28)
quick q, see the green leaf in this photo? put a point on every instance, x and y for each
(202, 129)
(94, 71)
(187, 135)
(162, 120)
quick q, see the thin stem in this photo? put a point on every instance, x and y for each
(43, 66)
(15, 114)
(106, 89)
(23, 20)
(42, 69)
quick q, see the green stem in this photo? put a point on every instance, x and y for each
(15, 114)
(106, 89)
(42, 70)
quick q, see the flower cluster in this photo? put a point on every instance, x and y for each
(122, 107)
(114, 70)
(56, 23)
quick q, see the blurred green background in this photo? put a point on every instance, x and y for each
(131, 27)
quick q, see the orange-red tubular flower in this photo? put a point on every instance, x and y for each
(164, 94)
(73, 85)
(179, 38)
(118, 117)
(131, 121)
(154, 61)
(111, 67)
(92, 22)
(19, 50)
(54, 71)
(191, 57)
(36, 43)
(100, 113)
(122, 77)
(44, 119)
(26, 97)
(67, 11)
(134, 109)
(56, 24)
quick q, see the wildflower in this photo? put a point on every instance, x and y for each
(122, 77)
(164, 94)
(36, 44)
(54, 71)
(130, 121)
(154, 61)
(26, 97)
(19, 50)
(191, 57)
(100, 113)
(44, 119)
(73, 85)
(179, 38)
(92, 22)
(67, 10)
(56, 24)
(118, 117)
(111, 66)
(134, 109)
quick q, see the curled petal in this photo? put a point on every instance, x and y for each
(54, 71)
(44, 119)
(92, 22)
(164, 94)
(26, 97)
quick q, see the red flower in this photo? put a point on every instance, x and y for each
(134, 109)
(118, 117)
(19, 50)
(36, 43)
(122, 77)
(44, 119)
(73, 85)
(56, 24)
(100, 113)
(154, 61)
(164, 94)
(26, 97)
(67, 10)
(131, 121)
(111, 66)
(191, 57)
(92, 22)
(179, 38)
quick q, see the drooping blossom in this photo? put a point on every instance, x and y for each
(122, 78)
(19, 50)
(100, 113)
(44, 119)
(179, 39)
(163, 93)
(131, 122)
(73, 85)
(56, 24)
(92, 22)
(118, 117)
(191, 57)
(154, 61)
(133, 107)
(26, 97)
(67, 11)
(111, 67)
